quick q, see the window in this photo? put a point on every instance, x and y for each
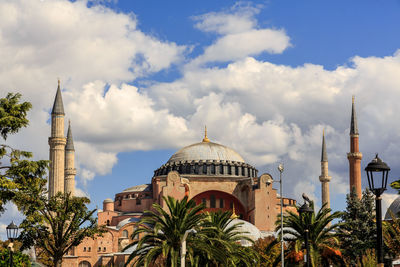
(104, 249)
(89, 249)
(204, 168)
(221, 203)
(236, 170)
(125, 233)
(84, 264)
(229, 170)
(204, 201)
(108, 222)
(212, 201)
(231, 205)
(221, 169)
(84, 249)
(99, 249)
(138, 201)
(212, 169)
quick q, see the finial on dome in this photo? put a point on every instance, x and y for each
(205, 139)
(234, 215)
(58, 79)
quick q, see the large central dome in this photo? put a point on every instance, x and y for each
(205, 151)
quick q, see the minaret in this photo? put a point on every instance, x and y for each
(324, 178)
(57, 143)
(355, 155)
(70, 171)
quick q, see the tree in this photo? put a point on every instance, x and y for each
(357, 231)
(269, 251)
(17, 172)
(214, 244)
(57, 224)
(323, 241)
(391, 235)
(161, 232)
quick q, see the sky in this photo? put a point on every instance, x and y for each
(141, 79)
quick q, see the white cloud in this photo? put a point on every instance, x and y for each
(240, 36)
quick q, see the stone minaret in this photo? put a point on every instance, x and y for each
(324, 178)
(355, 155)
(57, 143)
(70, 171)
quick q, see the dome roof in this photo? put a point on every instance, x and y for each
(249, 229)
(108, 200)
(394, 208)
(126, 221)
(206, 151)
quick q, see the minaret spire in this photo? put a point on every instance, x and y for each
(354, 156)
(324, 178)
(57, 143)
(70, 171)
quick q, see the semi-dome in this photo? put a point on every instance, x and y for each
(249, 230)
(206, 151)
(394, 208)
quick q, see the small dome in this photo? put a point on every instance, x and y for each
(206, 151)
(108, 200)
(139, 188)
(126, 221)
(251, 231)
(394, 208)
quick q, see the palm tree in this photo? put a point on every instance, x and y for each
(161, 232)
(323, 241)
(391, 235)
(224, 235)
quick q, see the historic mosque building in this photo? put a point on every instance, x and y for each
(207, 172)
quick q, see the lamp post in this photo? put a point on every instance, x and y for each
(280, 169)
(270, 181)
(305, 210)
(378, 185)
(183, 245)
(12, 233)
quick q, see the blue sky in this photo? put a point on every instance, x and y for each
(141, 79)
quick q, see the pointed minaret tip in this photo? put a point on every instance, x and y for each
(324, 155)
(353, 124)
(205, 139)
(58, 107)
(70, 140)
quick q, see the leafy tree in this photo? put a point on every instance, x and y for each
(57, 224)
(269, 251)
(323, 241)
(19, 259)
(17, 172)
(391, 235)
(358, 229)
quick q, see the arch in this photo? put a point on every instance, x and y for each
(84, 264)
(229, 201)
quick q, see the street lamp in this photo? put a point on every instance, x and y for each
(183, 245)
(378, 185)
(270, 181)
(12, 234)
(306, 210)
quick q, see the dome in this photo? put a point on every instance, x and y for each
(249, 229)
(126, 221)
(108, 200)
(206, 151)
(394, 208)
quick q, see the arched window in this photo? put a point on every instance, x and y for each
(84, 264)
(212, 201)
(212, 169)
(138, 201)
(125, 233)
(108, 222)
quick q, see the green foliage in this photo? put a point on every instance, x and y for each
(13, 114)
(214, 244)
(358, 229)
(322, 237)
(269, 251)
(396, 185)
(19, 259)
(57, 224)
(391, 235)
(18, 173)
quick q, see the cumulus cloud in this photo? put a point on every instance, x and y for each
(269, 113)
(240, 36)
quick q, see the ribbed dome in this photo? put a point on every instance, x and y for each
(206, 151)
(394, 208)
